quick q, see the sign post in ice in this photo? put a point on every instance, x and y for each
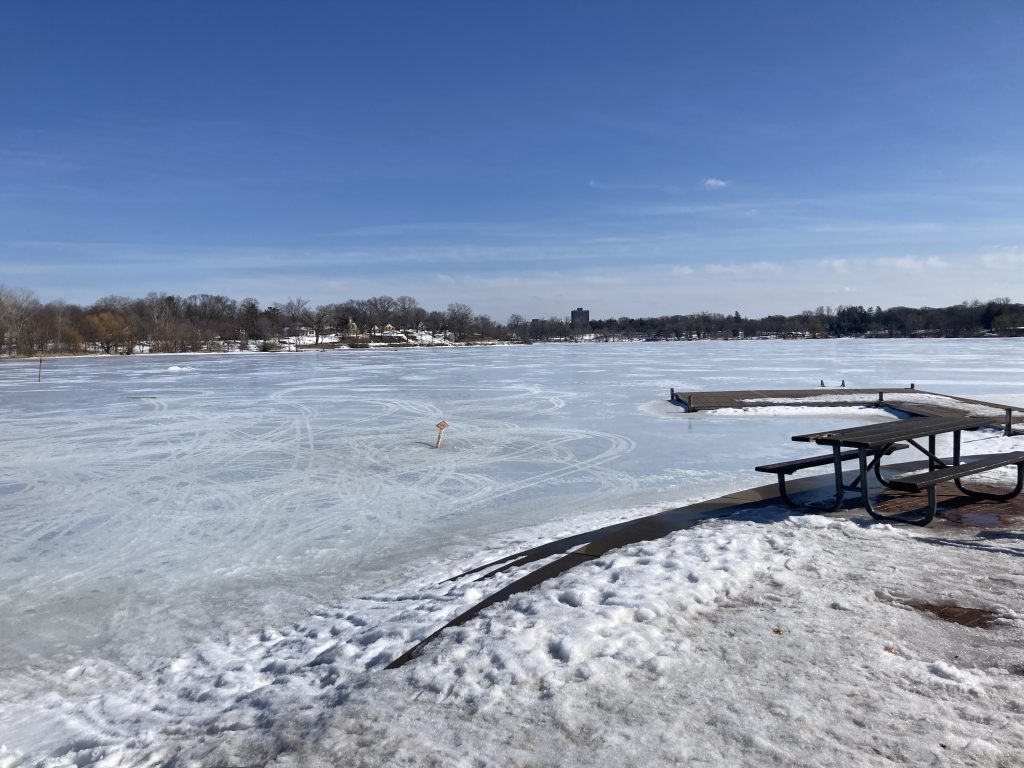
(441, 427)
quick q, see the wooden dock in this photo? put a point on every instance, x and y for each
(906, 399)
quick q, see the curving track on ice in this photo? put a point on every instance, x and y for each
(141, 497)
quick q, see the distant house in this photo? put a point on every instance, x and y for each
(299, 331)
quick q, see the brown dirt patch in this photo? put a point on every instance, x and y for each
(956, 614)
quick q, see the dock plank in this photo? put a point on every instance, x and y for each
(897, 398)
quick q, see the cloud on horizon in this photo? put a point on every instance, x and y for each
(749, 268)
(910, 263)
(659, 273)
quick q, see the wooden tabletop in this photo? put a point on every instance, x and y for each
(877, 435)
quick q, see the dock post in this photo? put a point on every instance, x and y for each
(881, 397)
(671, 394)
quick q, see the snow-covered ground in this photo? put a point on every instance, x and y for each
(214, 563)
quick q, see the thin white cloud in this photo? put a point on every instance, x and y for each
(837, 265)
(715, 183)
(873, 227)
(601, 280)
(910, 263)
(753, 267)
(1003, 258)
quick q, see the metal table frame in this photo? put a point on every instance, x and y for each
(877, 436)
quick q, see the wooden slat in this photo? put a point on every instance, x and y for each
(875, 435)
(789, 467)
(977, 465)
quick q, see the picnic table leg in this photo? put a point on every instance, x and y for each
(930, 514)
(933, 460)
(877, 464)
(927, 518)
(956, 447)
(837, 459)
(782, 491)
(995, 496)
(864, 474)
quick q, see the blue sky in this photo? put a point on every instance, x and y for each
(633, 158)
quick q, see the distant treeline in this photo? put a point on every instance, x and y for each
(971, 318)
(204, 322)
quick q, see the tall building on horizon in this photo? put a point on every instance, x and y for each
(580, 320)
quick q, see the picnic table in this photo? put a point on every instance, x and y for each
(869, 444)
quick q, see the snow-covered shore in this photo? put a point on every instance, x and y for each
(765, 640)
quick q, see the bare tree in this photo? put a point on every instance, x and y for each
(517, 326)
(352, 313)
(248, 316)
(164, 315)
(16, 308)
(110, 329)
(319, 320)
(380, 310)
(51, 315)
(292, 311)
(408, 312)
(459, 317)
(435, 322)
(484, 327)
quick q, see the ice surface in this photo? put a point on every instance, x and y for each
(154, 517)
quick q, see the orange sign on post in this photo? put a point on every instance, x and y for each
(441, 427)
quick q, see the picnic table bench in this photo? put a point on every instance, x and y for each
(878, 440)
(784, 468)
(977, 464)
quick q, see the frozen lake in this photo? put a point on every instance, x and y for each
(149, 502)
